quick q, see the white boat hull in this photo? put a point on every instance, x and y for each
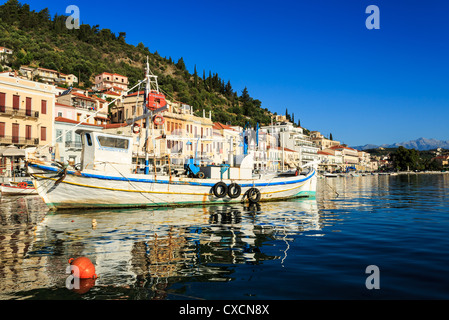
(90, 189)
(8, 190)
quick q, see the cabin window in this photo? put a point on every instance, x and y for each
(113, 142)
(88, 139)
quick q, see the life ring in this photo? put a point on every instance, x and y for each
(158, 120)
(22, 184)
(222, 187)
(136, 128)
(234, 190)
(253, 195)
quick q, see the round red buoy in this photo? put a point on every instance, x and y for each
(84, 286)
(82, 268)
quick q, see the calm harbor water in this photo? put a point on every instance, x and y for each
(299, 249)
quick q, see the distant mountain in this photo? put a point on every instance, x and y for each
(420, 144)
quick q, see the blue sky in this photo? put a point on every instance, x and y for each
(315, 58)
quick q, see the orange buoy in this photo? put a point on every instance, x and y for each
(82, 268)
(84, 286)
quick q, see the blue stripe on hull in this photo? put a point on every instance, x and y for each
(104, 177)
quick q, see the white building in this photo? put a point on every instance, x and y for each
(294, 138)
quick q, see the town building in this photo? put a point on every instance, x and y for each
(322, 142)
(293, 138)
(87, 109)
(48, 76)
(350, 156)
(26, 120)
(5, 54)
(225, 142)
(26, 112)
(331, 160)
(108, 80)
(181, 135)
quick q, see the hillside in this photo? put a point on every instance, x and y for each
(42, 41)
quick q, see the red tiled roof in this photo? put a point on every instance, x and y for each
(221, 126)
(112, 92)
(324, 152)
(63, 105)
(135, 93)
(80, 95)
(342, 147)
(280, 148)
(61, 119)
(99, 99)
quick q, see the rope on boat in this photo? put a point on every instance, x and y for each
(333, 189)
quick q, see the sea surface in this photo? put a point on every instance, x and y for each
(366, 237)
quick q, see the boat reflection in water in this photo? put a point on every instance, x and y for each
(142, 253)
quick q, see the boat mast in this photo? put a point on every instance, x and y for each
(147, 119)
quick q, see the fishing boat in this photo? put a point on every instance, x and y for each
(106, 176)
(21, 188)
(105, 179)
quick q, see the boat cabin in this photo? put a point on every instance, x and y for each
(106, 152)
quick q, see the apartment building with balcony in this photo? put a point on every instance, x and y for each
(330, 160)
(181, 136)
(5, 54)
(26, 112)
(87, 109)
(293, 138)
(322, 142)
(225, 142)
(349, 155)
(48, 76)
(108, 80)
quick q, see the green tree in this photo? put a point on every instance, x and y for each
(180, 64)
(406, 159)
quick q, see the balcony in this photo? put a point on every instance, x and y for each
(17, 140)
(70, 145)
(19, 113)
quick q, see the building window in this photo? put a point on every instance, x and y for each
(2, 101)
(43, 133)
(28, 132)
(59, 114)
(2, 129)
(16, 102)
(68, 136)
(44, 106)
(59, 135)
(15, 133)
(28, 106)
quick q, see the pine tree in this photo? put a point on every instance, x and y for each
(180, 64)
(195, 78)
(330, 137)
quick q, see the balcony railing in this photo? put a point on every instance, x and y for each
(6, 111)
(19, 140)
(73, 145)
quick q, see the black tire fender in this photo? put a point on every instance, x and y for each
(220, 189)
(253, 195)
(234, 190)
